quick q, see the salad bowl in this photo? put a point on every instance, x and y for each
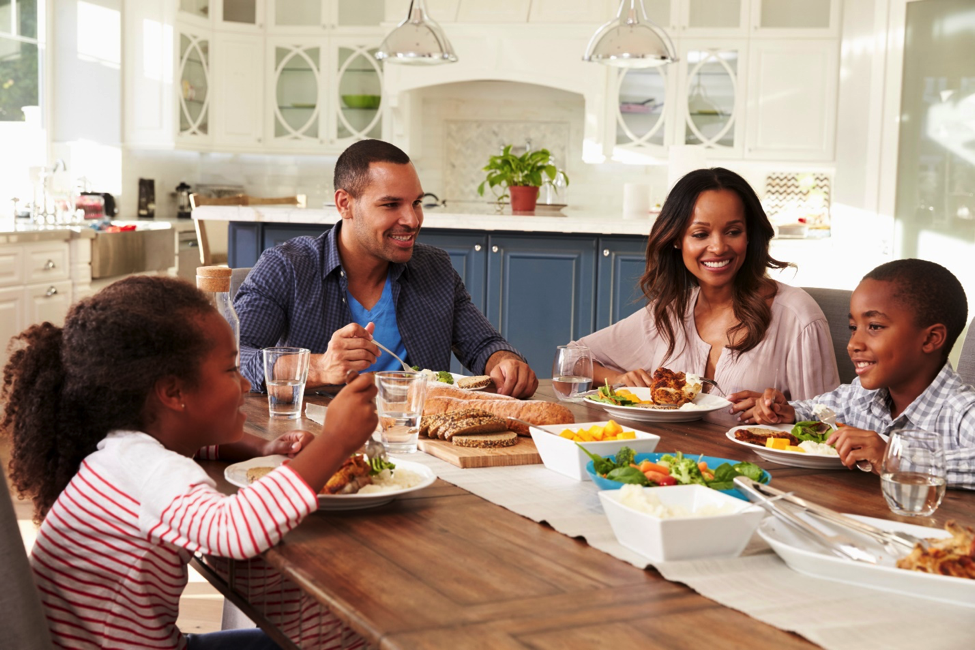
(565, 457)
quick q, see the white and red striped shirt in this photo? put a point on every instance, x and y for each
(110, 558)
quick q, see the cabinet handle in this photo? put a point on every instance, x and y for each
(48, 265)
(605, 252)
(51, 291)
(494, 249)
(477, 247)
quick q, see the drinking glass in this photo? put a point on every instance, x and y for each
(571, 371)
(285, 373)
(912, 475)
(399, 404)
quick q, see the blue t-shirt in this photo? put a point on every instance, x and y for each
(383, 314)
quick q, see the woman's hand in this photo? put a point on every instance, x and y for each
(288, 444)
(858, 444)
(639, 377)
(770, 407)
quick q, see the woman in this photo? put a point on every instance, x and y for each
(712, 309)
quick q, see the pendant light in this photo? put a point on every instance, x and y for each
(418, 40)
(631, 40)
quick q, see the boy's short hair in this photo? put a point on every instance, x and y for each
(931, 291)
(352, 167)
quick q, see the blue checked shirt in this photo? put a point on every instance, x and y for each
(947, 406)
(296, 296)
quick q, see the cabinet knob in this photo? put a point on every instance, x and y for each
(605, 252)
(51, 291)
(494, 249)
(48, 265)
(477, 247)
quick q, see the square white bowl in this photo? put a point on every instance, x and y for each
(683, 538)
(563, 456)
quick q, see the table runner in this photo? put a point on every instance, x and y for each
(834, 615)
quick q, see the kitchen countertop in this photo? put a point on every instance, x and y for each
(24, 232)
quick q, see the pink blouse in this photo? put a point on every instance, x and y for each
(796, 355)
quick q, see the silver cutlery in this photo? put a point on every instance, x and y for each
(385, 349)
(713, 384)
(828, 416)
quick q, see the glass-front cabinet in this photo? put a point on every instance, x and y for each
(359, 97)
(295, 93)
(754, 18)
(310, 16)
(240, 15)
(193, 90)
(711, 99)
(642, 110)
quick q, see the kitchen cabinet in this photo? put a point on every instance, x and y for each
(572, 11)
(442, 11)
(193, 86)
(495, 11)
(238, 97)
(312, 16)
(621, 263)
(710, 96)
(755, 18)
(245, 16)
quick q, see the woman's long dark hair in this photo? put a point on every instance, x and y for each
(667, 283)
(66, 388)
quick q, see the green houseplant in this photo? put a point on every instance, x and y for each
(521, 176)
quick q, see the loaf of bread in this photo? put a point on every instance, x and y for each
(456, 393)
(531, 411)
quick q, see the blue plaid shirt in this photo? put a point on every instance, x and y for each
(296, 296)
(947, 406)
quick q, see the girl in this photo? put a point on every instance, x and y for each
(106, 415)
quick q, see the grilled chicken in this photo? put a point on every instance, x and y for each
(352, 475)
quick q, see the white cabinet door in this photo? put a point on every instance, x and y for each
(12, 318)
(643, 114)
(355, 88)
(238, 92)
(48, 302)
(571, 11)
(711, 96)
(149, 61)
(795, 18)
(493, 11)
(11, 266)
(297, 16)
(792, 89)
(194, 86)
(238, 15)
(297, 118)
(46, 262)
(721, 18)
(441, 11)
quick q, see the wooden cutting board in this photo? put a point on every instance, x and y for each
(523, 453)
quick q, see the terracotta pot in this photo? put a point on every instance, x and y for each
(523, 198)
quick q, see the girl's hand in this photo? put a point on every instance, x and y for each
(288, 444)
(858, 444)
(770, 407)
(352, 415)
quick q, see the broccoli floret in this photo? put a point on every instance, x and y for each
(686, 471)
(624, 457)
(445, 377)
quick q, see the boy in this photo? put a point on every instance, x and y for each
(904, 319)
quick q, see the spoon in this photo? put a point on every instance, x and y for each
(385, 349)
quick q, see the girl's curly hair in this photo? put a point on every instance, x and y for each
(66, 388)
(667, 283)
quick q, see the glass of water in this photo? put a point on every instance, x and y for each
(571, 371)
(912, 475)
(285, 373)
(399, 404)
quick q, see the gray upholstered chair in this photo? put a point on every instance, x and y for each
(835, 304)
(237, 277)
(24, 623)
(966, 362)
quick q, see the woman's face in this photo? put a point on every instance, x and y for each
(715, 242)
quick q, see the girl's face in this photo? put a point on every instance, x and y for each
(212, 414)
(715, 242)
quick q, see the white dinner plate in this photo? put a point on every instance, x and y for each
(701, 405)
(792, 458)
(807, 557)
(456, 376)
(237, 474)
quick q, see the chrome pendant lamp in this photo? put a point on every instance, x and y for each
(418, 40)
(631, 40)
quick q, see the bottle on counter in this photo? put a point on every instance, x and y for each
(215, 282)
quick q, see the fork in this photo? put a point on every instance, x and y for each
(828, 416)
(713, 384)
(385, 349)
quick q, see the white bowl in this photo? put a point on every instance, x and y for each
(683, 538)
(563, 456)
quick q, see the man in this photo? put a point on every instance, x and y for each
(368, 277)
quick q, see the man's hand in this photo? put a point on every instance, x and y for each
(511, 375)
(858, 444)
(350, 348)
(770, 407)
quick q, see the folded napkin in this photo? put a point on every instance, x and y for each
(315, 412)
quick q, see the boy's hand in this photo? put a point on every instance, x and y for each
(858, 444)
(352, 415)
(288, 444)
(770, 407)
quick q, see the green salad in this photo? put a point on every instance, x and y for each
(812, 431)
(680, 470)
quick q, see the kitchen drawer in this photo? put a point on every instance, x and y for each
(48, 302)
(46, 263)
(11, 266)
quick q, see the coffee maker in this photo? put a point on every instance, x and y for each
(147, 198)
(183, 208)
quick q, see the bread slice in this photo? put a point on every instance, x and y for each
(485, 423)
(471, 383)
(486, 440)
(440, 426)
(257, 473)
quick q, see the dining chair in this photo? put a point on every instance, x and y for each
(237, 277)
(835, 304)
(208, 259)
(24, 621)
(966, 362)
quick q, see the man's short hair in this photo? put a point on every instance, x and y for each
(352, 167)
(931, 291)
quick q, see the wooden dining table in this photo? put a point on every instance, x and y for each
(443, 568)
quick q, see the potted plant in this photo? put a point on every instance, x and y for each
(521, 176)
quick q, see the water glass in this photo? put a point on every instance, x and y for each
(285, 373)
(399, 404)
(912, 475)
(571, 371)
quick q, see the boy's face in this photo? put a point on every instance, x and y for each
(886, 344)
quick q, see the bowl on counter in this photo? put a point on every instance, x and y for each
(563, 456)
(361, 101)
(683, 537)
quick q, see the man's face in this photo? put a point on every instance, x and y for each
(387, 217)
